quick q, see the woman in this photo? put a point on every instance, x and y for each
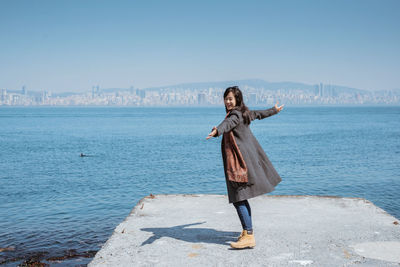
(248, 171)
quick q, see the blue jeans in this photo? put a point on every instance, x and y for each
(244, 212)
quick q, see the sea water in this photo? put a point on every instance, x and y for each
(56, 204)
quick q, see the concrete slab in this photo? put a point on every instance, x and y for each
(195, 230)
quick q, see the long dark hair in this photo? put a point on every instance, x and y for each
(239, 103)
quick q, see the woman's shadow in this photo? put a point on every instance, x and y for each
(193, 235)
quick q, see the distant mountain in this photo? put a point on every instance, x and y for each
(102, 90)
(258, 83)
(254, 83)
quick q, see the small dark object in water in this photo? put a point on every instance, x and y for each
(83, 155)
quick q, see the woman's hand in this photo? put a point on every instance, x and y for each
(213, 133)
(278, 108)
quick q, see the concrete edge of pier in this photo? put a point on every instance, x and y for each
(290, 230)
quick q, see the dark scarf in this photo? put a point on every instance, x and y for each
(236, 168)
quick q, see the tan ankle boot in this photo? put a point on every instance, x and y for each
(242, 234)
(245, 241)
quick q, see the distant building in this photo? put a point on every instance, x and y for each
(3, 95)
(316, 90)
(95, 91)
(321, 90)
(15, 99)
(253, 99)
(329, 91)
(201, 98)
(141, 93)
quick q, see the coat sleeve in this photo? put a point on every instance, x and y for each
(262, 114)
(229, 123)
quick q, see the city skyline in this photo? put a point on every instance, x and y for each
(195, 85)
(72, 45)
(255, 92)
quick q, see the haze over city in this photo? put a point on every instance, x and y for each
(71, 46)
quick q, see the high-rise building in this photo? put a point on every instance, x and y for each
(95, 91)
(141, 93)
(201, 98)
(3, 95)
(316, 90)
(321, 90)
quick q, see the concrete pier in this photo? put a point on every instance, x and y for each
(195, 230)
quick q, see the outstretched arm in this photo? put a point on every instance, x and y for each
(226, 125)
(262, 114)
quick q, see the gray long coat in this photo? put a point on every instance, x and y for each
(262, 176)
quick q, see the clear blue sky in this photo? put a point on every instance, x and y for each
(72, 45)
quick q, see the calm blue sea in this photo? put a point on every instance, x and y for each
(54, 203)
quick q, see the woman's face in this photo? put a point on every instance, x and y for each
(230, 101)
